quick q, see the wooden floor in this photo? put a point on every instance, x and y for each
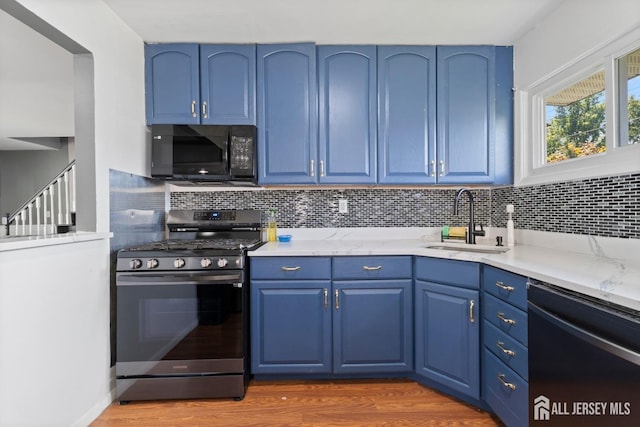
(307, 403)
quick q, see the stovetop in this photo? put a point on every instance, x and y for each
(197, 244)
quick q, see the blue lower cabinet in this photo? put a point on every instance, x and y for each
(506, 393)
(303, 323)
(505, 335)
(290, 327)
(447, 339)
(372, 326)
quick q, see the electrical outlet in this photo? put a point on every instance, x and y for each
(343, 207)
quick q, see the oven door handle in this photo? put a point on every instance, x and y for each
(584, 335)
(173, 279)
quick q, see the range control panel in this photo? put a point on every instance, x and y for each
(214, 215)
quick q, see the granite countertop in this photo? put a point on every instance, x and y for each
(599, 269)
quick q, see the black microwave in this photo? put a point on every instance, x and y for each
(204, 153)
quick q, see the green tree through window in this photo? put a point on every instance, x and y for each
(577, 129)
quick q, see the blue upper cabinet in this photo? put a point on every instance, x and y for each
(287, 113)
(187, 83)
(474, 119)
(172, 84)
(228, 84)
(347, 114)
(406, 114)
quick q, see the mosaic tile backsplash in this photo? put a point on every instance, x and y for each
(608, 207)
(318, 208)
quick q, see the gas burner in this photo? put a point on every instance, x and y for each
(197, 244)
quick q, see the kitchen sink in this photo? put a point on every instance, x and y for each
(463, 247)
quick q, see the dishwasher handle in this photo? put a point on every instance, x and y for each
(589, 337)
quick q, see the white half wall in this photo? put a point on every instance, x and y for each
(54, 334)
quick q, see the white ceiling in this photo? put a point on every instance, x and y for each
(500, 22)
(497, 22)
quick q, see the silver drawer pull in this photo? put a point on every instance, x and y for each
(510, 386)
(506, 319)
(290, 268)
(506, 351)
(505, 287)
(377, 267)
(326, 297)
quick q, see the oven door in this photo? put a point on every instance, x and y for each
(180, 323)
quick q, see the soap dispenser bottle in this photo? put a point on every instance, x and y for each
(272, 227)
(511, 239)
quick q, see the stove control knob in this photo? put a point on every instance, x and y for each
(205, 262)
(134, 264)
(152, 263)
(178, 263)
(222, 262)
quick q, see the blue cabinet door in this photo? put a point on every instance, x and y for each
(287, 114)
(407, 114)
(172, 86)
(347, 114)
(290, 327)
(228, 84)
(447, 339)
(372, 326)
(474, 115)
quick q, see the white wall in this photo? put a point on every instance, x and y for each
(575, 29)
(33, 87)
(54, 301)
(118, 55)
(54, 334)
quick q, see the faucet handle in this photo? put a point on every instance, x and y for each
(479, 232)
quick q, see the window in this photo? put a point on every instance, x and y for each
(575, 120)
(629, 96)
(583, 120)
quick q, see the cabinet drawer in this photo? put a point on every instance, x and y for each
(505, 392)
(507, 318)
(507, 349)
(451, 272)
(372, 267)
(290, 268)
(506, 286)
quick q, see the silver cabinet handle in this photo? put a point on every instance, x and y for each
(337, 294)
(193, 108)
(326, 297)
(433, 168)
(321, 167)
(204, 109)
(506, 351)
(312, 168)
(472, 304)
(510, 386)
(376, 268)
(441, 167)
(505, 287)
(290, 268)
(506, 319)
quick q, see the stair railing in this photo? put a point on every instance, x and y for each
(51, 210)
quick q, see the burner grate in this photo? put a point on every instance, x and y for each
(196, 244)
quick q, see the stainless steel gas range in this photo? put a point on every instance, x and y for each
(182, 308)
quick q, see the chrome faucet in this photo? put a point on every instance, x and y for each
(471, 231)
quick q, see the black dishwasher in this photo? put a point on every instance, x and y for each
(584, 360)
